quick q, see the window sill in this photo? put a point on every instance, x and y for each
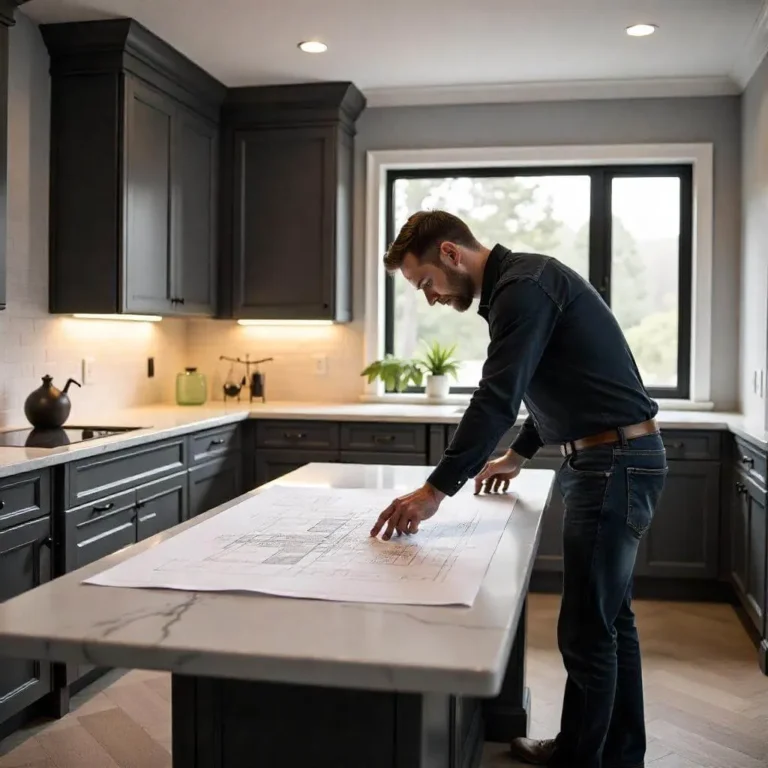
(419, 399)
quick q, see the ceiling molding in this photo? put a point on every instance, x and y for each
(754, 51)
(560, 91)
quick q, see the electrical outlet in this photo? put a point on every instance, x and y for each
(150, 367)
(88, 372)
(762, 382)
(321, 365)
(754, 381)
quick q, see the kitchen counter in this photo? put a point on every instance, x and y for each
(350, 654)
(166, 421)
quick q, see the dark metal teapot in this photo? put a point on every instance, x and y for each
(48, 407)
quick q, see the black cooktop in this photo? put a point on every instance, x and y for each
(56, 438)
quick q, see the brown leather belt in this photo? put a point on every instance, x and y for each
(611, 436)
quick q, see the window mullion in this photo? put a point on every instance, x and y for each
(600, 233)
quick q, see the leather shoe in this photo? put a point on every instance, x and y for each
(532, 751)
(539, 752)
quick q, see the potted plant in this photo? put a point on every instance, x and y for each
(396, 374)
(439, 364)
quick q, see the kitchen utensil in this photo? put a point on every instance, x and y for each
(48, 407)
(191, 387)
(255, 380)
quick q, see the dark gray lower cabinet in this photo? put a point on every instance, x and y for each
(550, 554)
(272, 464)
(749, 547)
(160, 505)
(25, 563)
(214, 483)
(374, 457)
(683, 540)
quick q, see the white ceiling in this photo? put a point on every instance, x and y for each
(401, 50)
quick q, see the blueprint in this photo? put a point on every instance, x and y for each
(315, 543)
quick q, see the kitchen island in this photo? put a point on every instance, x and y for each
(287, 682)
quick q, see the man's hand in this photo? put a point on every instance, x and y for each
(405, 513)
(496, 474)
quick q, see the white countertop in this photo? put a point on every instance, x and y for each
(384, 647)
(166, 421)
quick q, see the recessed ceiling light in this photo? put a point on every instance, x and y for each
(641, 30)
(313, 46)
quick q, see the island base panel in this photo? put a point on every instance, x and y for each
(240, 724)
(763, 656)
(507, 715)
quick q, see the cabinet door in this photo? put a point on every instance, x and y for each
(284, 202)
(550, 553)
(272, 464)
(682, 541)
(193, 247)
(147, 164)
(215, 483)
(754, 593)
(161, 505)
(739, 511)
(25, 563)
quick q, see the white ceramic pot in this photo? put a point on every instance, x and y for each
(438, 387)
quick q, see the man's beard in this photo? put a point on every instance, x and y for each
(461, 288)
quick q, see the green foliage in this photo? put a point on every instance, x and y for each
(396, 374)
(439, 360)
(653, 342)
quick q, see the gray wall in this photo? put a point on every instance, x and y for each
(754, 291)
(715, 120)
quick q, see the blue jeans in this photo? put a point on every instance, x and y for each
(610, 495)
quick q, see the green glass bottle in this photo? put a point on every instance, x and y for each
(191, 387)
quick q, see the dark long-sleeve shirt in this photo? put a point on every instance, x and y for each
(554, 345)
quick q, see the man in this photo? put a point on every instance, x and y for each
(556, 346)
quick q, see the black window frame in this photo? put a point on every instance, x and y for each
(600, 245)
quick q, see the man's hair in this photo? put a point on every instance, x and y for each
(423, 234)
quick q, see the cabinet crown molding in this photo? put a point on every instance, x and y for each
(123, 45)
(302, 103)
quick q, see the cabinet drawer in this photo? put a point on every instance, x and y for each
(383, 457)
(214, 443)
(98, 529)
(214, 484)
(408, 438)
(301, 435)
(161, 505)
(109, 473)
(24, 497)
(691, 444)
(751, 460)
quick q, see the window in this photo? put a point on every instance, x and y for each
(627, 229)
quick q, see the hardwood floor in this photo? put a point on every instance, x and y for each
(707, 702)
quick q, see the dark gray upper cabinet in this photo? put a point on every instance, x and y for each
(287, 201)
(7, 9)
(134, 190)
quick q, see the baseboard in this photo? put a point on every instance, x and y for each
(645, 588)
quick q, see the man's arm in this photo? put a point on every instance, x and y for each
(527, 441)
(521, 322)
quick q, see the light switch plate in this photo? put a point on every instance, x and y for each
(321, 365)
(88, 373)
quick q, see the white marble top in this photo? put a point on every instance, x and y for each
(166, 421)
(385, 647)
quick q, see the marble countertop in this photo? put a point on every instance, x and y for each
(166, 421)
(382, 647)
